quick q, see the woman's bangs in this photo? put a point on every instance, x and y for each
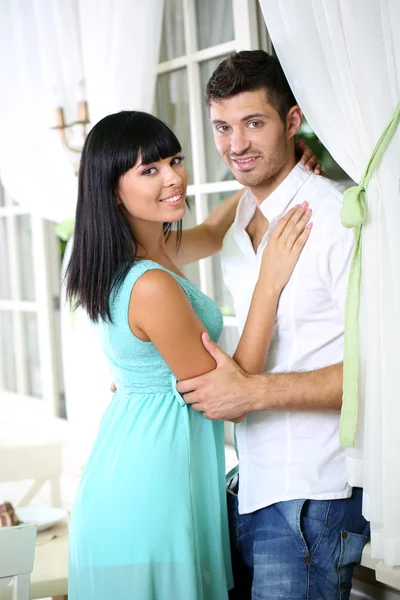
(158, 142)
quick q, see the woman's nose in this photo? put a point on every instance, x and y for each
(172, 177)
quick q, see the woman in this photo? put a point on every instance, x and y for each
(149, 520)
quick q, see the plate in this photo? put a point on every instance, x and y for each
(43, 517)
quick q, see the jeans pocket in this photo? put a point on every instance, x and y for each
(351, 547)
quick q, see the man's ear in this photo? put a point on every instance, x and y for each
(294, 119)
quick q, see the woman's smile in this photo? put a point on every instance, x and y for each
(174, 200)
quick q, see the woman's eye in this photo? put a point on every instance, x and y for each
(177, 160)
(149, 171)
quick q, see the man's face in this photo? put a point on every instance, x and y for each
(251, 137)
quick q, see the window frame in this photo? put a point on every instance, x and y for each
(246, 30)
(46, 267)
(250, 34)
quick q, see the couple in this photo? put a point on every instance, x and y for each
(150, 516)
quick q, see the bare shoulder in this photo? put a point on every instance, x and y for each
(160, 312)
(156, 284)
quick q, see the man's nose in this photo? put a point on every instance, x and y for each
(239, 143)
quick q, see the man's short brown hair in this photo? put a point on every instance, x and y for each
(248, 71)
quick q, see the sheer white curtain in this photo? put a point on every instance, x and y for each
(55, 54)
(39, 70)
(120, 47)
(342, 60)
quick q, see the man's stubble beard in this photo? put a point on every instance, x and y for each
(269, 170)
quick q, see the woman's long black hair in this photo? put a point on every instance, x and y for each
(104, 246)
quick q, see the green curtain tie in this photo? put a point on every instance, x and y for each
(353, 209)
(353, 215)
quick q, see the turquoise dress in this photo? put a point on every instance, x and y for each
(149, 520)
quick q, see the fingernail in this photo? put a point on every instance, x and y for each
(308, 212)
(309, 226)
(305, 204)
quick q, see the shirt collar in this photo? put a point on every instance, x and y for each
(276, 203)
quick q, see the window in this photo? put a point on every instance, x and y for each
(29, 290)
(197, 35)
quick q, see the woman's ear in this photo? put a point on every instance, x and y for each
(294, 119)
(117, 197)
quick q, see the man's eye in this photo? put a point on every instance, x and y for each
(255, 124)
(222, 128)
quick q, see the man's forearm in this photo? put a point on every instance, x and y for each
(309, 391)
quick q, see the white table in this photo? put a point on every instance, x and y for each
(49, 577)
(26, 428)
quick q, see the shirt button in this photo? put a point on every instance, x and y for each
(344, 534)
(307, 560)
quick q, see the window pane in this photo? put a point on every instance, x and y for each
(172, 38)
(221, 295)
(216, 169)
(214, 21)
(5, 291)
(173, 108)
(191, 271)
(30, 330)
(7, 354)
(26, 274)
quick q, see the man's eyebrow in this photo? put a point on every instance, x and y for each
(253, 116)
(246, 118)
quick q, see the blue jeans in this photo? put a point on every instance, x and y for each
(297, 549)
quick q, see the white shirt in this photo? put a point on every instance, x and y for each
(288, 455)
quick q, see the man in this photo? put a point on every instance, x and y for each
(296, 524)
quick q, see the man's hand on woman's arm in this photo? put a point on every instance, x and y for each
(228, 392)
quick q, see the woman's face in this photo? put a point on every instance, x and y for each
(155, 192)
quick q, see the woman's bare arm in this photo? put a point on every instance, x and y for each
(160, 312)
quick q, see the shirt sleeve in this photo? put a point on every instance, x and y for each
(335, 260)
